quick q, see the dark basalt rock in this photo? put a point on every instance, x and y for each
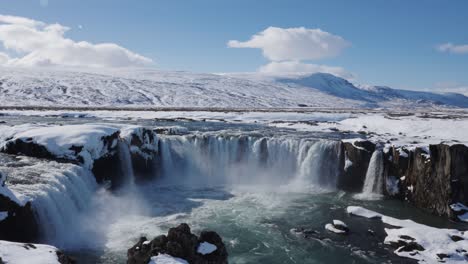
(432, 182)
(20, 224)
(179, 243)
(142, 161)
(27, 148)
(406, 244)
(64, 259)
(354, 175)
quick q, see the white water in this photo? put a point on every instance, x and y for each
(126, 167)
(241, 160)
(59, 192)
(373, 185)
(75, 213)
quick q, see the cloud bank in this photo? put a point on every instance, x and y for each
(300, 43)
(452, 48)
(288, 48)
(36, 43)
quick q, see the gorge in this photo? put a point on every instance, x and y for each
(92, 186)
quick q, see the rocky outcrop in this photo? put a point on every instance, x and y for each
(20, 224)
(143, 146)
(17, 221)
(357, 157)
(431, 178)
(99, 151)
(180, 243)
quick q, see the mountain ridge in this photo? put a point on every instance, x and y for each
(149, 87)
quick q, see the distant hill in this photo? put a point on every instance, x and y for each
(147, 87)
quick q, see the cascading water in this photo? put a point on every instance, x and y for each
(59, 193)
(373, 185)
(223, 159)
(123, 151)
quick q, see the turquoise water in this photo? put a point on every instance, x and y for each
(256, 222)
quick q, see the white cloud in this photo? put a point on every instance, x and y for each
(296, 67)
(452, 48)
(301, 43)
(38, 43)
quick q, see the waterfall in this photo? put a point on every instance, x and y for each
(126, 167)
(227, 159)
(373, 185)
(58, 197)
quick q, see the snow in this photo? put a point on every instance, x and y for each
(359, 211)
(339, 223)
(401, 128)
(433, 240)
(58, 139)
(166, 259)
(20, 253)
(148, 87)
(332, 228)
(206, 248)
(411, 130)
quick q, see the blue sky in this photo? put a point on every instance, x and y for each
(391, 42)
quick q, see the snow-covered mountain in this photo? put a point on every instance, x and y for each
(147, 87)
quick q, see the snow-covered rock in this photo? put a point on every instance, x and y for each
(101, 148)
(423, 243)
(338, 227)
(166, 259)
(84, 143)
(21, 253)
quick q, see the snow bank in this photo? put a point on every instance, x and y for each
(59, 140)
(20, 253)
(166, 259)
(449, 245)
(79, 141)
